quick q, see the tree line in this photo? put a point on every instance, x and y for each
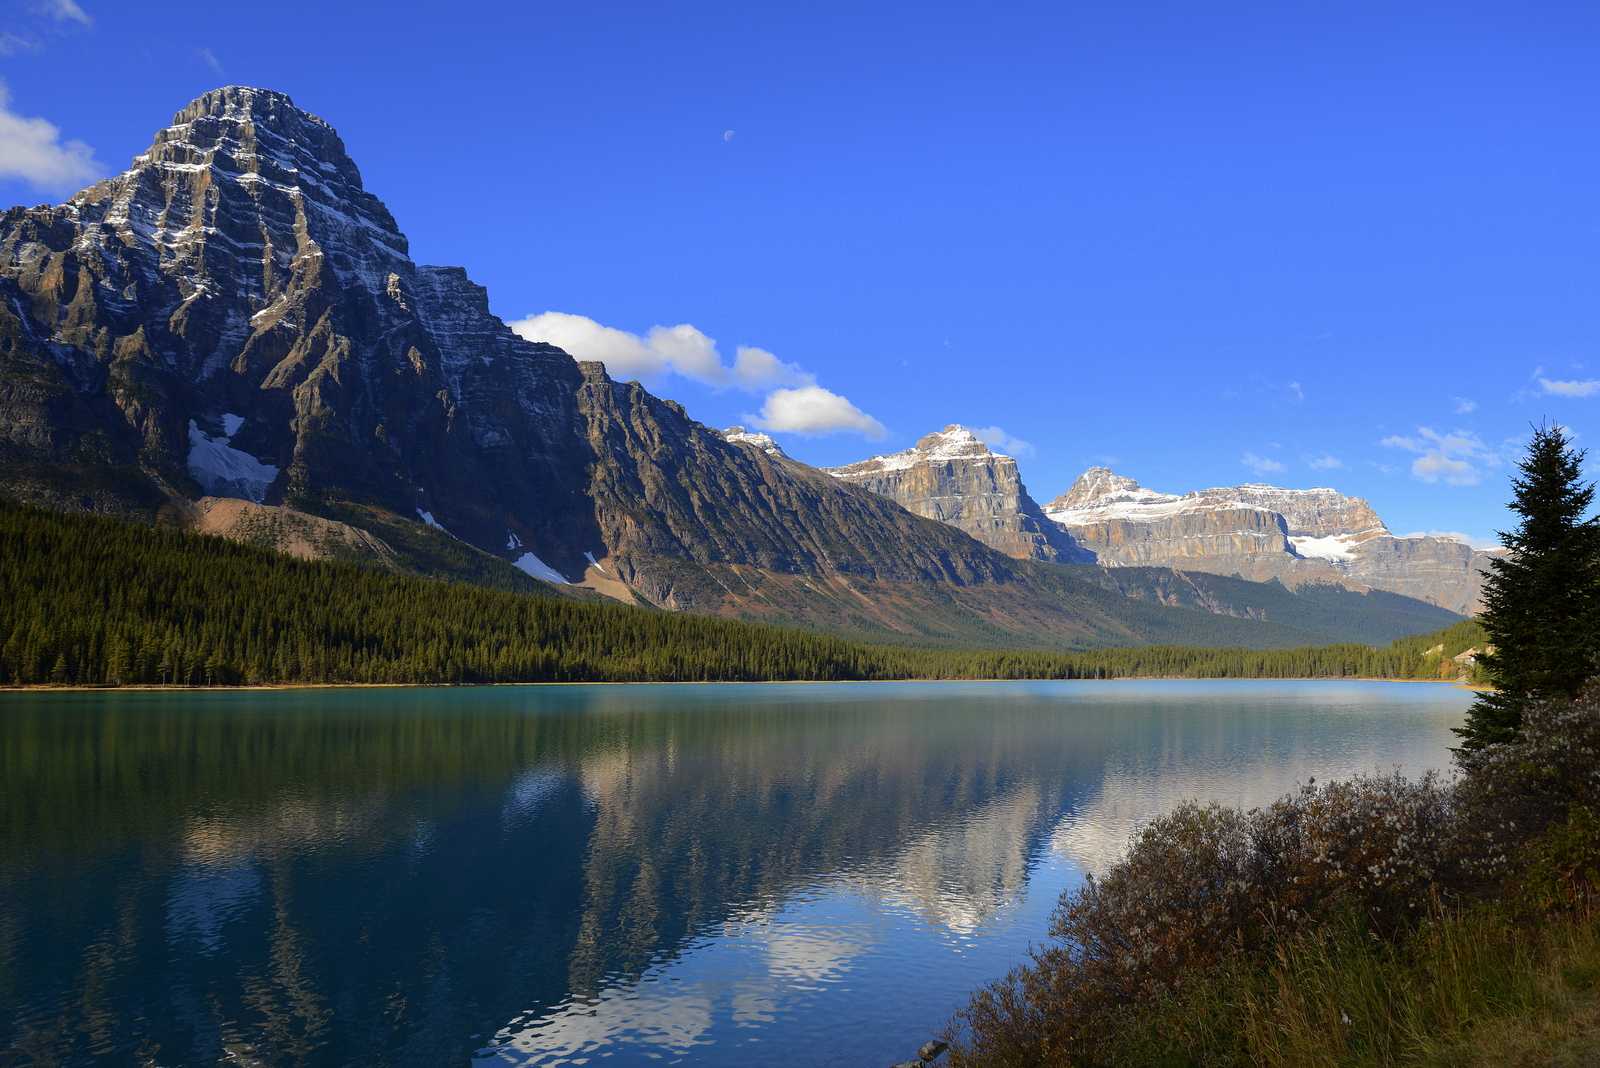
(88, 600)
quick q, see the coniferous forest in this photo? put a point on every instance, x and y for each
(94, 601)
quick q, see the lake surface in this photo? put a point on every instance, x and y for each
(719, 875)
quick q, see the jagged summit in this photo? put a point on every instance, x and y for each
(243, 102)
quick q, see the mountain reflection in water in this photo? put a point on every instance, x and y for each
(731, 874)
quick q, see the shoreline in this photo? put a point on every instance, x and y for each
(35, 688)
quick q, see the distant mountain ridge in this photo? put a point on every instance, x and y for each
(235, 317)
(1254, 531)
(1262, 532)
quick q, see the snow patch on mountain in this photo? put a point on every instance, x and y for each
(1335, 547)
(427, 519)
(531, 565)
(224, 471)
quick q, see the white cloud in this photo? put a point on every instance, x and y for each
(66, 11)
(1456, 535)
(1465, 405)
(1325, 462)
(796, 404)
(1261, 465)
(687, 351)
(625, 355)
(1457, 458)
(683, 349)
(1010, 444)
(755, 368)
(209, 58)
(814, 410)
(727, 135)
(1585, 387)
(13, 43)
(1435, 466)
(32, 150)
(1299, 394)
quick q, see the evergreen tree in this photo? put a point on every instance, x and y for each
(1542, 599)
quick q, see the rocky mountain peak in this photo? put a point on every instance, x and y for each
(954, 442)
(244, 185)
(1094, 486)
(254, 126)
(952, 476)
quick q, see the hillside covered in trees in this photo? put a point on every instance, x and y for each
(93, 601)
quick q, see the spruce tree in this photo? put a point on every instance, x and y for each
(1542, 599)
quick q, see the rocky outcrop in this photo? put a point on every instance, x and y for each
(738, 435)
(953, 477)
(1262, 532)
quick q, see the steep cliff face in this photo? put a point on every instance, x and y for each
(953, 477)
(1265, 532)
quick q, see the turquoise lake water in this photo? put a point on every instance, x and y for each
(719, 875)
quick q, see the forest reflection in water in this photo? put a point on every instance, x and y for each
(536, 874)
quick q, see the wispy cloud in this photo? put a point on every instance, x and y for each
(1325, 462)
(1457, 458)
(65, 11)
(209, 58)
(996, 438)
(1298, 392)
(1465, 405)
(31, 149)
(814, 410)
(727, 135)
(1261, 465)
(1570, 387)
(12, 44)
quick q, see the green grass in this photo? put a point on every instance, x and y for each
(1476, 987)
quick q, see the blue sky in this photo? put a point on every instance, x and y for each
(1350, 245)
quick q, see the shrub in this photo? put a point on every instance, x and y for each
(1560, 870)
(1204, 885)
(1513, 792)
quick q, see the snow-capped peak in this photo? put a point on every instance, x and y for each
(954, 443)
